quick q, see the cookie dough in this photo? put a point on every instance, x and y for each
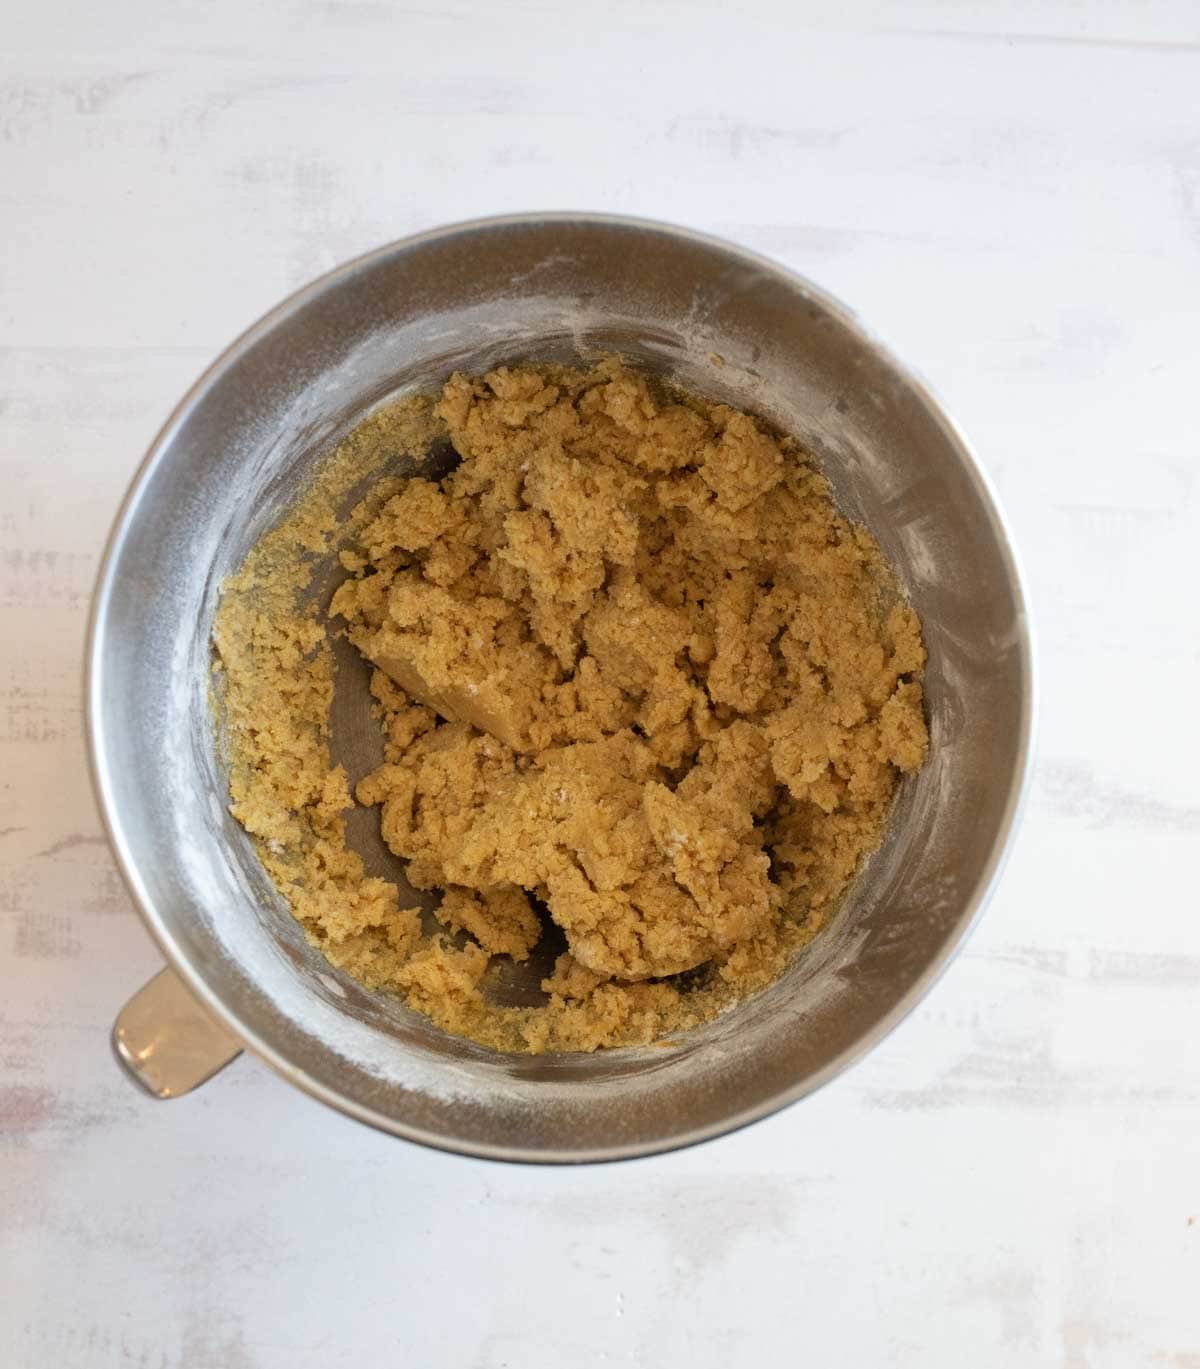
(635, 674)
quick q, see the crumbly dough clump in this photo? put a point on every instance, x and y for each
(633, 669)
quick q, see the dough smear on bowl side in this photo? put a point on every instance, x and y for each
(632, 667)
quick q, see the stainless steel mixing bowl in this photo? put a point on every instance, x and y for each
(720, 321)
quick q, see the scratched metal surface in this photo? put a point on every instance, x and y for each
(1011, 195)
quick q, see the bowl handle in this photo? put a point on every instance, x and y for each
(166, 1042)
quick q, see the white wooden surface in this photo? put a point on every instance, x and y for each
(1011, 194)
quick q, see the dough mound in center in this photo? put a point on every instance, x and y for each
(635, 674)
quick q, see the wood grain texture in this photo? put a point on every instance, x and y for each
(1010, 193)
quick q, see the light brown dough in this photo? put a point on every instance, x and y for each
(631, 663)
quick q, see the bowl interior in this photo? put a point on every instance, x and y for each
(227, 465)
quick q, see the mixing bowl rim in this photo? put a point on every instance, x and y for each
(98, 744)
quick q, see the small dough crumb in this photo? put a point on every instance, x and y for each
(635, 675)
(501, 919)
